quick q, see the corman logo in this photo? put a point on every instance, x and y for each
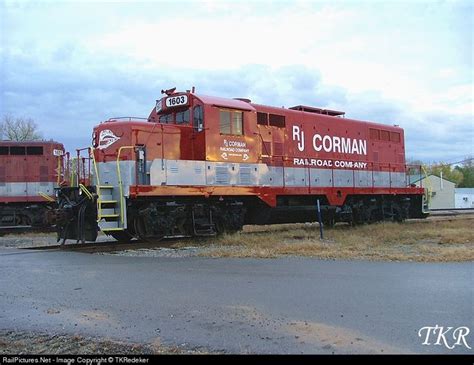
(107, 138)
(439, 335)
(330, 144)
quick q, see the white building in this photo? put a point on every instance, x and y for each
(441, 191)
(464, 198)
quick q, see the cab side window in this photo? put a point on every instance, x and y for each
(231, 122)
(182, 117)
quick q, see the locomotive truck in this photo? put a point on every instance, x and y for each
(202, 165)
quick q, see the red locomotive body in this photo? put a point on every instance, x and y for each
(202, 165)
(29, 173)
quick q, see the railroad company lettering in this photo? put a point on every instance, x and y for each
(234, 149)
(329, 163)
(328, 143)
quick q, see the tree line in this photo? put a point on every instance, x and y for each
(19, 129)
(461, 175)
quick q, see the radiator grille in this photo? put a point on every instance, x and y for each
(245, 175)
(222, 175)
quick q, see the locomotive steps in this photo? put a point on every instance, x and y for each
(109, 209)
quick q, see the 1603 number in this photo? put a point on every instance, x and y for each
(177, 101)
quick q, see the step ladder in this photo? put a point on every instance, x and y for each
(109, 216)
(202, 226)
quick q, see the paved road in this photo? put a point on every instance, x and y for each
(290, 305)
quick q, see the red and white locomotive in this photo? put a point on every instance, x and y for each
(201, 165)
(29, 173)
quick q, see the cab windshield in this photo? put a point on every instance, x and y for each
(180, 116)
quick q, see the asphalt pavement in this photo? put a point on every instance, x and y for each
(287, 305)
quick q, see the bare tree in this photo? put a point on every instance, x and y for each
(19, 129)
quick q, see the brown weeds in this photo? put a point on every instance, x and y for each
(451, 240)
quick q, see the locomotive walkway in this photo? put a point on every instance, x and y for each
(288, 305)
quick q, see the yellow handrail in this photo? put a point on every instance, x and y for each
(59, 169)
(71, 176)
(85, 191)
(120, 180)
(91, 152)
(97, 180)
(45, 196)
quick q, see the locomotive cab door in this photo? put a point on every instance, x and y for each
(141, 166)
(199, 140)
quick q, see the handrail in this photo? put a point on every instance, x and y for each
(129, 118)
(59, 170)
(71, 171)
(371, 168)
(91, 153)
(45, 196)
(120, 180)
(85, 191)
(99, 200)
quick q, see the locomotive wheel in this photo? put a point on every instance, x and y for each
(140, 231)
(121, 236)
(27, 221)
(330, 222)
(17, 220)
(139, 227)
(397, 213)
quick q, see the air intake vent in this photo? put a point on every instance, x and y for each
(222, 175)
(245, 175)
(266, 148)
(277, 149)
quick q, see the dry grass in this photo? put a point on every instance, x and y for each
(441, 241)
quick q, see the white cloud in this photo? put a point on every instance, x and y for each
(345, 44)
(402, 63)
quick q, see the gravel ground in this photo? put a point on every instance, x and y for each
(23, 240)
(160, 252)
(30, 343)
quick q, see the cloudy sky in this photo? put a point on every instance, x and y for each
(71, 64)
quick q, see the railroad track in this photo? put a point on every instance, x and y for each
(25, 229)
(451, 212)
(114, 246)
(108, 246)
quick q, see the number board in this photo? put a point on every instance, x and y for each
(174, 101)
(159, 104)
